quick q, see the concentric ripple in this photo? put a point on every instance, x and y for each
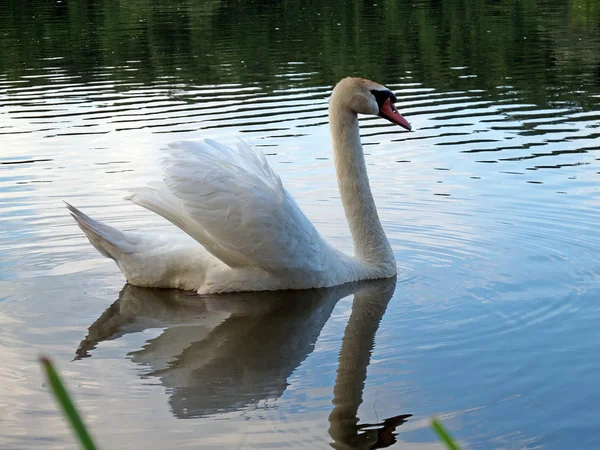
(490, 204)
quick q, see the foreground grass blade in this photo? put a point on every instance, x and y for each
(59, 391)
(444, 436)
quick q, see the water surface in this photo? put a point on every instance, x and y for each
(491, 206)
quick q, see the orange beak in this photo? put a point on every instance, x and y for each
(388, 111)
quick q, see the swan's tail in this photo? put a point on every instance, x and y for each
(109, 241)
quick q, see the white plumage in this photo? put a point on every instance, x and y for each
(243, 230)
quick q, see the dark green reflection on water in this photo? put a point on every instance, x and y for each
(549, 48)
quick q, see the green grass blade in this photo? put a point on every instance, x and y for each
(444, 436)
(62, 396)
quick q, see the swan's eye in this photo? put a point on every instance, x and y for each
(382, 95)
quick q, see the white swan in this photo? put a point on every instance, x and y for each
(243, 230)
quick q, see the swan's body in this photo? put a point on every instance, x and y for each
(243, 230)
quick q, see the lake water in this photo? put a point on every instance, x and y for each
(490, 204)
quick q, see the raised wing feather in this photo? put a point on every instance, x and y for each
(232, 202)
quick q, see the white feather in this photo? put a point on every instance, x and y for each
(242, 208)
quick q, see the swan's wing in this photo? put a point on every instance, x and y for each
(157, 198)
(232, 202)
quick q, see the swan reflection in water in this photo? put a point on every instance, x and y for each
(225, 353)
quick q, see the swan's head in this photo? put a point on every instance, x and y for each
(367, 97)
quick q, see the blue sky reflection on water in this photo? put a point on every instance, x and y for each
(491, 206)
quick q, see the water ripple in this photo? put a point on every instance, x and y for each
(490, 205)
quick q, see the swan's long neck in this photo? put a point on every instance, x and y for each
(370, 242)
